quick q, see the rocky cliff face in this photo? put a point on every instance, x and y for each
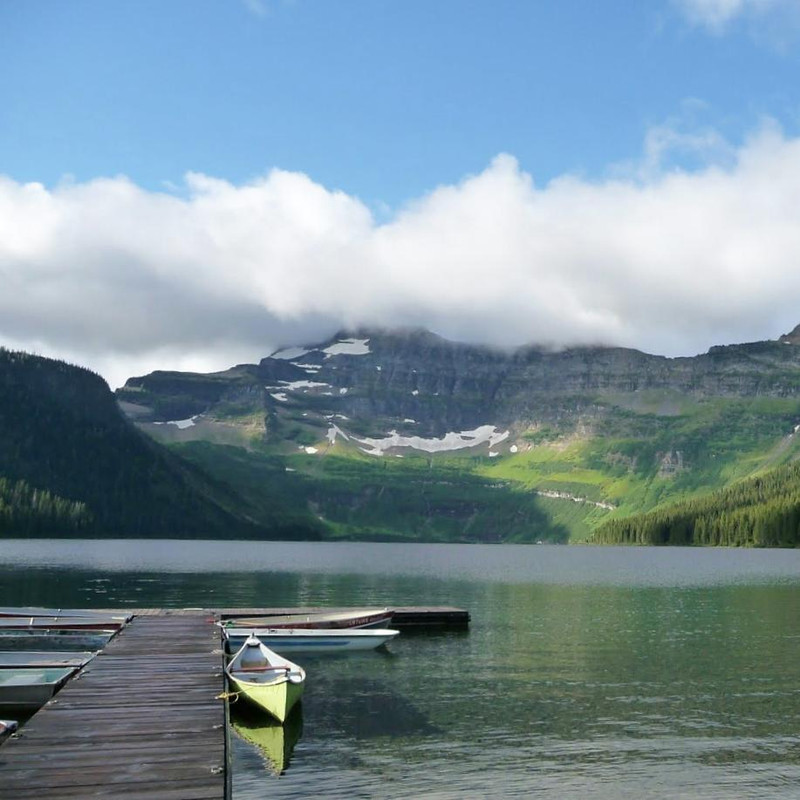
(418, 383)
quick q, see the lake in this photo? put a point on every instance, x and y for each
(587, 672)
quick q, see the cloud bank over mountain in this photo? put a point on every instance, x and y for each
(126, 280)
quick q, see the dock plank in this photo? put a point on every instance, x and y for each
(141, 722)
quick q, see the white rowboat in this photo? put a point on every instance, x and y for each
(350, 618)
(305, 640)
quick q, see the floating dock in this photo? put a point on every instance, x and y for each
(142, 721)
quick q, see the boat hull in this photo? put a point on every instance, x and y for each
(277, 698)
(333, 620)
(265, 678)
(293, 641)
(29, 689)
(61, 623)
(30, 639)
(44, 658)
(30, 611)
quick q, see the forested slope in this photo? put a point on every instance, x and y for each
(760, 512)
(71, 464)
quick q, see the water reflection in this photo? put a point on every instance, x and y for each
(274, 741)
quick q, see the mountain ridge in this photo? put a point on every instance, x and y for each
(592, 432)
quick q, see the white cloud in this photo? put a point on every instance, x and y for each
(714, 13)
(781, 16)
(257, 7)
(125, 280)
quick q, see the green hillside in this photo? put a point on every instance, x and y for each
(561, 485)
(357, 497)
(637, 461)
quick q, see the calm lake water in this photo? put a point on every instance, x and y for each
(587, 672)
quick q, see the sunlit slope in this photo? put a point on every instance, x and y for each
(634, 462)
(555, 487)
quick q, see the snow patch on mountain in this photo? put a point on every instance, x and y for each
(290, 353)
(310, 368)
(485, 434)
(180, 423)
(335, 431)
(293, 385)
(348, 347)
(279, 396)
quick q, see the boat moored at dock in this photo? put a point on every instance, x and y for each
(85, 623)
(27, 690)
(306, 640)
(349, 618)
(26, 639)
(32, 611)
(45, 658)
(265, 679)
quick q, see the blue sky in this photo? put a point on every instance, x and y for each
(189, 182)
(381, 99)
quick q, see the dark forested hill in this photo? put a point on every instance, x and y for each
(71, 464)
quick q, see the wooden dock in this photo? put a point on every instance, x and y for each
(141, 722)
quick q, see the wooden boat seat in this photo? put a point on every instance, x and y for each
(261, 669)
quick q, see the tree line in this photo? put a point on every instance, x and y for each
(27, 511)
(758, 512)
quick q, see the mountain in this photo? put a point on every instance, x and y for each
(71, 464)
(400, 434)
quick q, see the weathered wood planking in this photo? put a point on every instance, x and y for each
(141, 722)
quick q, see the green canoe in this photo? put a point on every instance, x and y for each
(265, 679)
